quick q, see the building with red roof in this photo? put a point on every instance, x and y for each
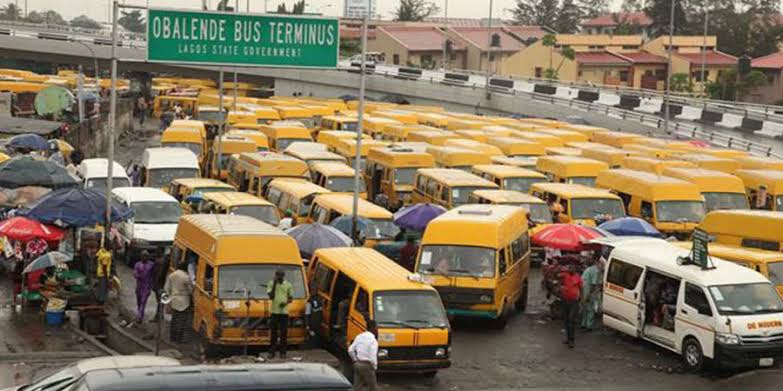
(417, 45)
(772, 66)
(688, 55)
(638, 23)
(489, 48)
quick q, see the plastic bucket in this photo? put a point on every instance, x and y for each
(54, 318)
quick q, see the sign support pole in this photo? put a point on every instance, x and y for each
(221, 124)
(359, 131)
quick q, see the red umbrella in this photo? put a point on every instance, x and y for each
(699, 143)
(566, 237)
(24, 229)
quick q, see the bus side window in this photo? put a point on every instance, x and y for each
(646, 210)
(502, 261)
(209, 279)
(564, 204)
(444, 194)
(623, 274)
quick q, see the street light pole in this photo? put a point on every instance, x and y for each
(359, 131)
(704, 53)
(112, 120)
(445, 34)
(667, 110)
(234, 102)
(489, 48)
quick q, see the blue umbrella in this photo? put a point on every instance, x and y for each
(311, 237)
(416, 217)
(75, 208)
(25, 171)
(29, 141)
(630, 226)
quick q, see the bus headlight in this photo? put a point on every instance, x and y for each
(486, 298)
(230, 322)
(440, 352)
(383, 353)
(727, 339)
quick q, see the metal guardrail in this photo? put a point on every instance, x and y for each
(676, 129)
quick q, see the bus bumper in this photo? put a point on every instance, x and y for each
(472, 313)
(749, 356)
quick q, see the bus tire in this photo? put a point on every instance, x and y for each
(521, 303)
(500, 322)
(692, 355)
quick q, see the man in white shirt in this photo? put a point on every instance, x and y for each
(364, 353)
(287, 222)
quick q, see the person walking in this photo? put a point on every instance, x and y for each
(143, 273)
(159, 272)
(287, 222)
(281, 293)
(179, 290)
(591, 293)
(570, 290)
(103, 272)
(141, 109)
(364, 354)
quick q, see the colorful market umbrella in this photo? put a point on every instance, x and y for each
(52, 258)
(416, 217)
(24, 229)
(75, 208)
(311, 237)
(630, 226)
(26, 171)
(28, 141)
(566, 237)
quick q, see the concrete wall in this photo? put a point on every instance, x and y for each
(91, 136)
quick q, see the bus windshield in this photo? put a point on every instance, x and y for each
(410, 309)
(690, 211)
(589, 208)
(746, 299)
(582, 180)
(161, 177)
(721, 201)
(520, 184)
(457, 261)
(265, 213)
(459, 195)
(193, 147)
(539, 213)
(252, 280)
(344, 185)
(404, 176)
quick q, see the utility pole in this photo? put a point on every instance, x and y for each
(667, 96)
(234, 103)
(489, 49)
(359, 131)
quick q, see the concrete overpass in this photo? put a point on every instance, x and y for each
(425, 87)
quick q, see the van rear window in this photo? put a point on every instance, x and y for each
(761, 244)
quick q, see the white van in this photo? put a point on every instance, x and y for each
(154, 222)
(160, 166)
(94, 174)
(728, 315)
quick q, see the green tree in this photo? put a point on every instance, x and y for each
(566, 53)
(660, 13)
(223, 6)
(592, 8)
(536, 12)
(10, 12)
(415, 10)
(681, 82)
(48, 17)
(299, 7)
(281, 9)
(549, 40)
(633, 5)
(730, 87)
(568, 18)
(83, 21)
(132, 21)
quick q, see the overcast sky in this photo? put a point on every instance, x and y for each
(99, 9)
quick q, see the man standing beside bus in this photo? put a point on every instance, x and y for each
(570, 291)
(281, 293)
(364, 353)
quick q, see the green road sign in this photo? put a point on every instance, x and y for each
(219, 38)
(700, 253)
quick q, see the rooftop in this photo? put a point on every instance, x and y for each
(600, 58)
(772, 61)
(598, 40)
(712, 58)
(419, 38)
(480, 37)
(642, 57)
(615, 18)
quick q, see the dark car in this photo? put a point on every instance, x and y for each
(254, 377)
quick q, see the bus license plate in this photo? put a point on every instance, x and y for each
(766, 362)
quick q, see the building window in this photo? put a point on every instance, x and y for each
(630, 47)
(696, 75)
(624, 76)
(396, 59)
(579, 74)
(538, 72)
